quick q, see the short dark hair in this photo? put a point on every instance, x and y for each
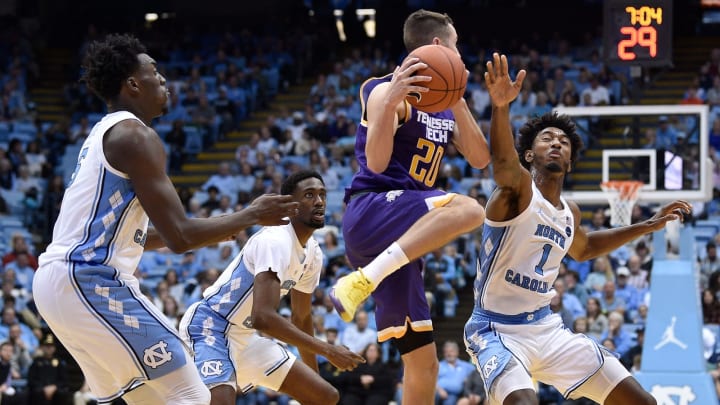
(422, 26)
(532, 128)
(109, 62)
(288, 186)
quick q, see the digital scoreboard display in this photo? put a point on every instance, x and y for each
(638, 32)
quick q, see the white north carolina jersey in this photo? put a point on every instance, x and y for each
(273, 248)
(101, 220)
(519, 258)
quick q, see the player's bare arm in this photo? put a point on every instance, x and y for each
(589, 245)
(137, 150)
(385, 108)
(514, 189)
(266, 299)
(468, 137)
(301, 317)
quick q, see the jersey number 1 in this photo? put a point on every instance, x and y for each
(543, 259)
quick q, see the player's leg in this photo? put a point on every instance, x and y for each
(204, 331)
(223, 395)
(629, 391)
(307, 387)
(180, 387)
(385, 231)
(116, 335)
(506, 379)
(613, 385)
(420, 367)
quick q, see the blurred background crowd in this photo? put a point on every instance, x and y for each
(255, 97)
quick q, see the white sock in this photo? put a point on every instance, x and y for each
(385, 264)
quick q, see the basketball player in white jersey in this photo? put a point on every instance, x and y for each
(222, 327)
(512, 335)
(84, 287)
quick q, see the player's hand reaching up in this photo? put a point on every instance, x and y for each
(669, 212)
(501, 87)
(273, 209)
(343, 358)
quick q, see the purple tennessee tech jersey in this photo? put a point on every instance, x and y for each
(418, 147)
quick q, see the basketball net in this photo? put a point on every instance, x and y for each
(622, 196)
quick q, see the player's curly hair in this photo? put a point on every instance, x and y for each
(532, 128)
(289, 185)
(109, 62)
(422, 26)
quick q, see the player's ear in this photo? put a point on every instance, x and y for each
(529, 156)
(132, 83)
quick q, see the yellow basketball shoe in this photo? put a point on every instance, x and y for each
(349, 292)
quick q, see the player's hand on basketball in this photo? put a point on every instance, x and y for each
(343, 358)
(404, 81)
(501, 87)
(670, 212)
(273, 209)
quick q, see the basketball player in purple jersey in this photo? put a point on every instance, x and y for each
(512, 336)
(394, 213)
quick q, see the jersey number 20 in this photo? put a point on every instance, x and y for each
(428, 154)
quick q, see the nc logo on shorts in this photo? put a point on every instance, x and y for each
(490, 366)
(211, 368)
(157, 355)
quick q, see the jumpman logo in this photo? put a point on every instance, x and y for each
(669, 337)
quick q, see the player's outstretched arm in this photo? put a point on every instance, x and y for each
(590, 245)
(384, 104)
(503, 90)
(137, 150)
(266, 298)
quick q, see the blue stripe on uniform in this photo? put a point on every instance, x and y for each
(496, 235)
(239, 291)
(109, 184)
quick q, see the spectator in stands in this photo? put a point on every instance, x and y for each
(204, 117)
(597, 320)
(37, 160)
(224, 206)
(23, 271)
(620, 337)
(574, 287)
(451, 375)
(602, 272)
(8, 393)
(627, 292)
(556, 306)
(371, 383)
(596, 94)
(19, 245)
(7, 176)
(609, 301)
(21, 356)
(473, 390)
(358, 334)
(47, 377)
(710, 307)
(666, 134)
(438, 275)
(580, 325)
(51, 204)
(710, 263)
(638, 277)
(213, 199)
(9, 318)
(175, 140)
(332, 320)
(569, 301)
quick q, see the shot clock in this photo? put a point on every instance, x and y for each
(638, 32)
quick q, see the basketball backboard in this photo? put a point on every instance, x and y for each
(616, 149)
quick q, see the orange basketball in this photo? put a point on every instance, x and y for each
(449, 78)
